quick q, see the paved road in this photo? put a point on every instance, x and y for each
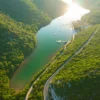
(30, 89)
(46, 86)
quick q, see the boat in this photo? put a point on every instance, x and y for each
(59, 41)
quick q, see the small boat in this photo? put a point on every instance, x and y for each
(59, 41)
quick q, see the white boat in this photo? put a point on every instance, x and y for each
(59, 41)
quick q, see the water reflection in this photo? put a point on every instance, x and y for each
(74, 12)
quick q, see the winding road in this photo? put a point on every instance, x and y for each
(31, 88)
(46, 86)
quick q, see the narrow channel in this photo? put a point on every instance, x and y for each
(49, 41)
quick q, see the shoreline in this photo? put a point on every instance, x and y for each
(44, 69)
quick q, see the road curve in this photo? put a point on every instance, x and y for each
(30, 89)
(46, 86)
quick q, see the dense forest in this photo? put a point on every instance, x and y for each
(94, 16)
(24, 11)
(17, 41)
(36, 12)
(53, 9)
(79, 80)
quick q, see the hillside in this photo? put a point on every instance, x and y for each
(16, 42)
(54, 9)
(24, 11)
(80, 78)
(36, 12)
(91, 18)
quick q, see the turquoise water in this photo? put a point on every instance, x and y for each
(46, 48)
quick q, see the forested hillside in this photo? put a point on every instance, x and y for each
(93, 3)
(16, 42)
(36, 12)
(91, 18)
(80, 78)
(94, 16)
(24, 11)
(53, 8)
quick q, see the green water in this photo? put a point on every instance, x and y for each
(46, 48)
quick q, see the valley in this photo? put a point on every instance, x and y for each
(38, 57)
